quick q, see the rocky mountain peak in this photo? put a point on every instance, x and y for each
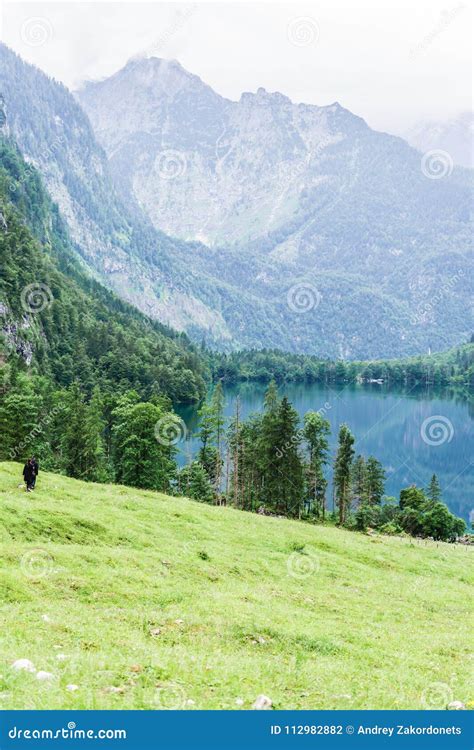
(262, 96)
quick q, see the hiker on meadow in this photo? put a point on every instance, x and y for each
(29, 475)
(35, 466)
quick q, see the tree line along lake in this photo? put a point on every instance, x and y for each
(414, 432)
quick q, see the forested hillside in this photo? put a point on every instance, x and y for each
(454, 367)
(63, 324)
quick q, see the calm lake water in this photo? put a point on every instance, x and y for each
(414, 433)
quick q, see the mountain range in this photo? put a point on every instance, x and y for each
(253, 223)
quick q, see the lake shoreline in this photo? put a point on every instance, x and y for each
(387, 422)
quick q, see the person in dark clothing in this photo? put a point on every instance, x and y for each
(35, 466)
(29, 475)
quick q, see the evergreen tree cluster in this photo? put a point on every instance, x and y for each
(103, 437)
(454, 367)
(269, 464)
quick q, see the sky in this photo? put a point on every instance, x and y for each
(393, 63)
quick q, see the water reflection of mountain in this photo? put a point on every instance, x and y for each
(388, 424)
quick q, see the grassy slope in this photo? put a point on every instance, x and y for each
(377, 621)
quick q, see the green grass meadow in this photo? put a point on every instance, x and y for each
(140, 600)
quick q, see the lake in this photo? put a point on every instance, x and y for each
(414, 432)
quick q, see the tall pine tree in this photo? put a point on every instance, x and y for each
(375, 481)
(316, 431)
(342, 472)
(433, 491)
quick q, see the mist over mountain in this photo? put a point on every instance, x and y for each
(253, 223)
(455, 136)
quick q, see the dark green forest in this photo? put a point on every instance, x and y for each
(454, 367)
(59, 322)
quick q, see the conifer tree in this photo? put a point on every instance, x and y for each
(20, 420)
(73, 439)
(143, 445)
(433, 491)
(291, 467)
(95, 465)
(375, 481)
(316, 431)
(211, 433)
(194, 482)
(342, 471)
(359, 480)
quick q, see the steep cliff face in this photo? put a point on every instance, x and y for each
(116, 242)
(327, 217)
(206, 168)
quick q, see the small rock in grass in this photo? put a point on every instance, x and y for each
(24, 665)
(62, 657)
(155, 632)
(263, 703)
(239, 702)
(44, 676)
(179, 622)
(46, 618)
(72, 688)
(456, 706)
